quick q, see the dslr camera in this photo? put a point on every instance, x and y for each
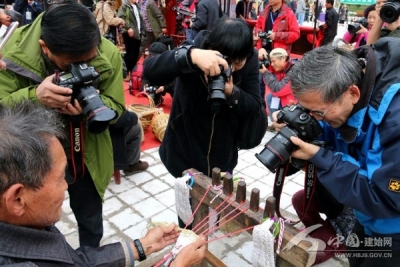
(264, 37)
(390, 11)
(216, 88)
(355, 27)
(151, 91)
(299, 123)
(264, 61)
(80, 78)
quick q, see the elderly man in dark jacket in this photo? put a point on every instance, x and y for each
(203, 133)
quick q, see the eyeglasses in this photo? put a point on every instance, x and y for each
(319, 113)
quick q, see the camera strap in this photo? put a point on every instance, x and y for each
(76, 141)
(309, 186)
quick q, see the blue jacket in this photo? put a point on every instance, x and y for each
(362, 168)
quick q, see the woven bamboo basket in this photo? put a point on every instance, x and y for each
(159, 124)
(144, 112)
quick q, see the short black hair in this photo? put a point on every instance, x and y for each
(330, 1)
(232, 37)
(70, 29)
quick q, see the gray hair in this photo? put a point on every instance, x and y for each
(25, 131)
(328, 69)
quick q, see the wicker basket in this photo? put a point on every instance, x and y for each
(159, 124)
(144, 112)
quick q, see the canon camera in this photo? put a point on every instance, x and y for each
(216, 88)
(298, 123)
(80, 78)
(390, 11)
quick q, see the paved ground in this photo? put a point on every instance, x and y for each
(150, 196)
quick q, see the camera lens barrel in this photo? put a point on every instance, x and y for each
(278, 150)
(390, 12)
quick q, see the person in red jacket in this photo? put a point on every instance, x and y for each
(279, 25)
(276, 78)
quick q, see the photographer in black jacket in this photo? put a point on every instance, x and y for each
(196, 137)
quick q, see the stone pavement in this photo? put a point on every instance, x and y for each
(150, 196)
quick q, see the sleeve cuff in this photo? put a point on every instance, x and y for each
(233, 100)
(322, 159)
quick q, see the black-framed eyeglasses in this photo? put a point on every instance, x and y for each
(322, 114)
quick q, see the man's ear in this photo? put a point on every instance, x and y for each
(13, 199)
(44, 47)
(355, 93)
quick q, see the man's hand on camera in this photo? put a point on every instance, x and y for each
(362, 30)
(53, 96)
(70, 109)
(271, 36)
(160, 89)
(262, 53)
(263, 69)
(305, 150)
(208, 61)
(228, 87)
(275, 123)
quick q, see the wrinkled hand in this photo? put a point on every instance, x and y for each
(130, 32)
(158, 238)
(362, 30)
(52, 95)
(262, 53)
(305, 150)
(208, 61)
(192, 254)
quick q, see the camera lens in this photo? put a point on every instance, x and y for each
(353, 28)
(98, 115)
(278, 150)
(390, 12)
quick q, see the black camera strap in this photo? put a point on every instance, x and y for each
(76, 141)
(309, 186)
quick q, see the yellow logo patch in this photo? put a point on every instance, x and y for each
(394, 185)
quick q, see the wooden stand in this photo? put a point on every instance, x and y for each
(296, 256)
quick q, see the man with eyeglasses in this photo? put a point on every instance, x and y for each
(355, 96)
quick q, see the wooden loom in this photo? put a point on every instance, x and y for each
(296, 256)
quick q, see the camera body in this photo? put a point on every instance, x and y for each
(355, 27)
(80, 79)
(390, 11)
(151, 90)
(264, 37)
(298, 123)
(216, 88)
(264, 61)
